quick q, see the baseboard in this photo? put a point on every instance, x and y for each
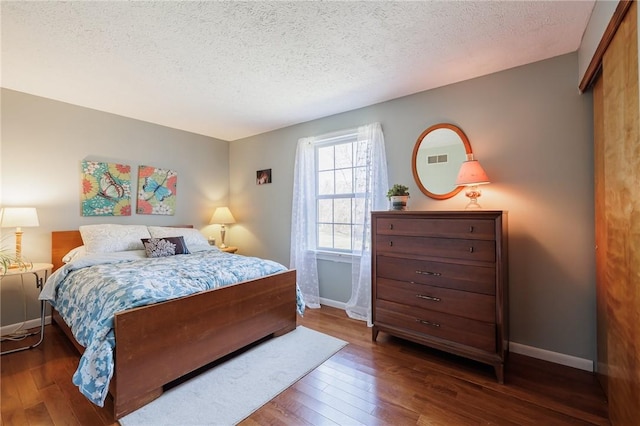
(333, 303)
(27, 325)
(555, 357)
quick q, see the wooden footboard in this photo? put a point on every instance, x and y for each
(159, 343)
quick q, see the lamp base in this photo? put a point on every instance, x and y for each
(473, 205)
(222, 234)
(22, 265)
(473, 192)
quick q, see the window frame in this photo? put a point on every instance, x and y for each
(344, 137)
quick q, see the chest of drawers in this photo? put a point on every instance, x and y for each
(440, 279)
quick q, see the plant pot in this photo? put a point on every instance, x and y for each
(398, 202)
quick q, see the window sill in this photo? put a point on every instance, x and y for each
(334, 257)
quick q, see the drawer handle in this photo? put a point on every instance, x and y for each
(391, 226)
(471, 229)
(429, 323)
(470, 249)
(435, 274)
(390, 243)
(431, 298)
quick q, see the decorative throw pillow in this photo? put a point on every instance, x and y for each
(160, 247)
(192, 237)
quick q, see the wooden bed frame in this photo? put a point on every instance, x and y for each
(160, 343)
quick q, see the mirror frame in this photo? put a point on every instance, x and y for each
(467, 148)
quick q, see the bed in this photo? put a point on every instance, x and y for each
(159, 343)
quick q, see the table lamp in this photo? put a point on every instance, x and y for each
(222, 216)
(18, 217)
(471, 175)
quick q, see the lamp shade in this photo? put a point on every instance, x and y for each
(17, 217)
(471, 173)
(223, 216)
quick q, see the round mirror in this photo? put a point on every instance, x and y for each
(439, 152)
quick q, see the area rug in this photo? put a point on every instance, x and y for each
(230, 392)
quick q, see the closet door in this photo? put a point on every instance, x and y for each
(600, 236)
(617, 204)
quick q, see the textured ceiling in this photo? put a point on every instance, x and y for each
(235, 69)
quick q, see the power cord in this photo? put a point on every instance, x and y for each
(19, 333)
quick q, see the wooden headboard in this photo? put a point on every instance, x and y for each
(63, 241)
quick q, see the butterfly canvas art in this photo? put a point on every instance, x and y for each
(156, 191)
(106, 189)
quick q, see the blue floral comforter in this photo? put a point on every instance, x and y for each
(89, 291)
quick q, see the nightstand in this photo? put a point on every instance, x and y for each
(229, 249)
(40, 271)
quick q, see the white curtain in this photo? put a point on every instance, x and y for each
(373, 182)
(370, 148)
(303, 222)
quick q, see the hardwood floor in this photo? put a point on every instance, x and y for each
(391, 382)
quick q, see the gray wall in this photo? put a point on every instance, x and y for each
(43, 143)
(531, 131)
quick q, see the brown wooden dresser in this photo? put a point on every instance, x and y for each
(440, 279)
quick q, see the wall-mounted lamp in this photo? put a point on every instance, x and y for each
(471, 175)
(17, 217)
(222, 216)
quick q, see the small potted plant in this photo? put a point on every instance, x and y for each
(8, 260)
(398, 196)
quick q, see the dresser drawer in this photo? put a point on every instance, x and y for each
(479, 250)
(465, 331)
(475, 306)
(482, 229)
(478, 279)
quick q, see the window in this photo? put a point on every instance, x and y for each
(340, 191)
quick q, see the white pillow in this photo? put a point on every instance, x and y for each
(74, 254)
(110, 238)
(192, 237)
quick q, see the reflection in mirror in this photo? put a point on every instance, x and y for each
(437, 156)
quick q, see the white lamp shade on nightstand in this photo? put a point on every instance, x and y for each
(18, 217)
(222, 216)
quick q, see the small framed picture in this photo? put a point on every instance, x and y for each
(263, 176)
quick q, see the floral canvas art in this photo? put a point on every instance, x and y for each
(156, 191)
(106, 189)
